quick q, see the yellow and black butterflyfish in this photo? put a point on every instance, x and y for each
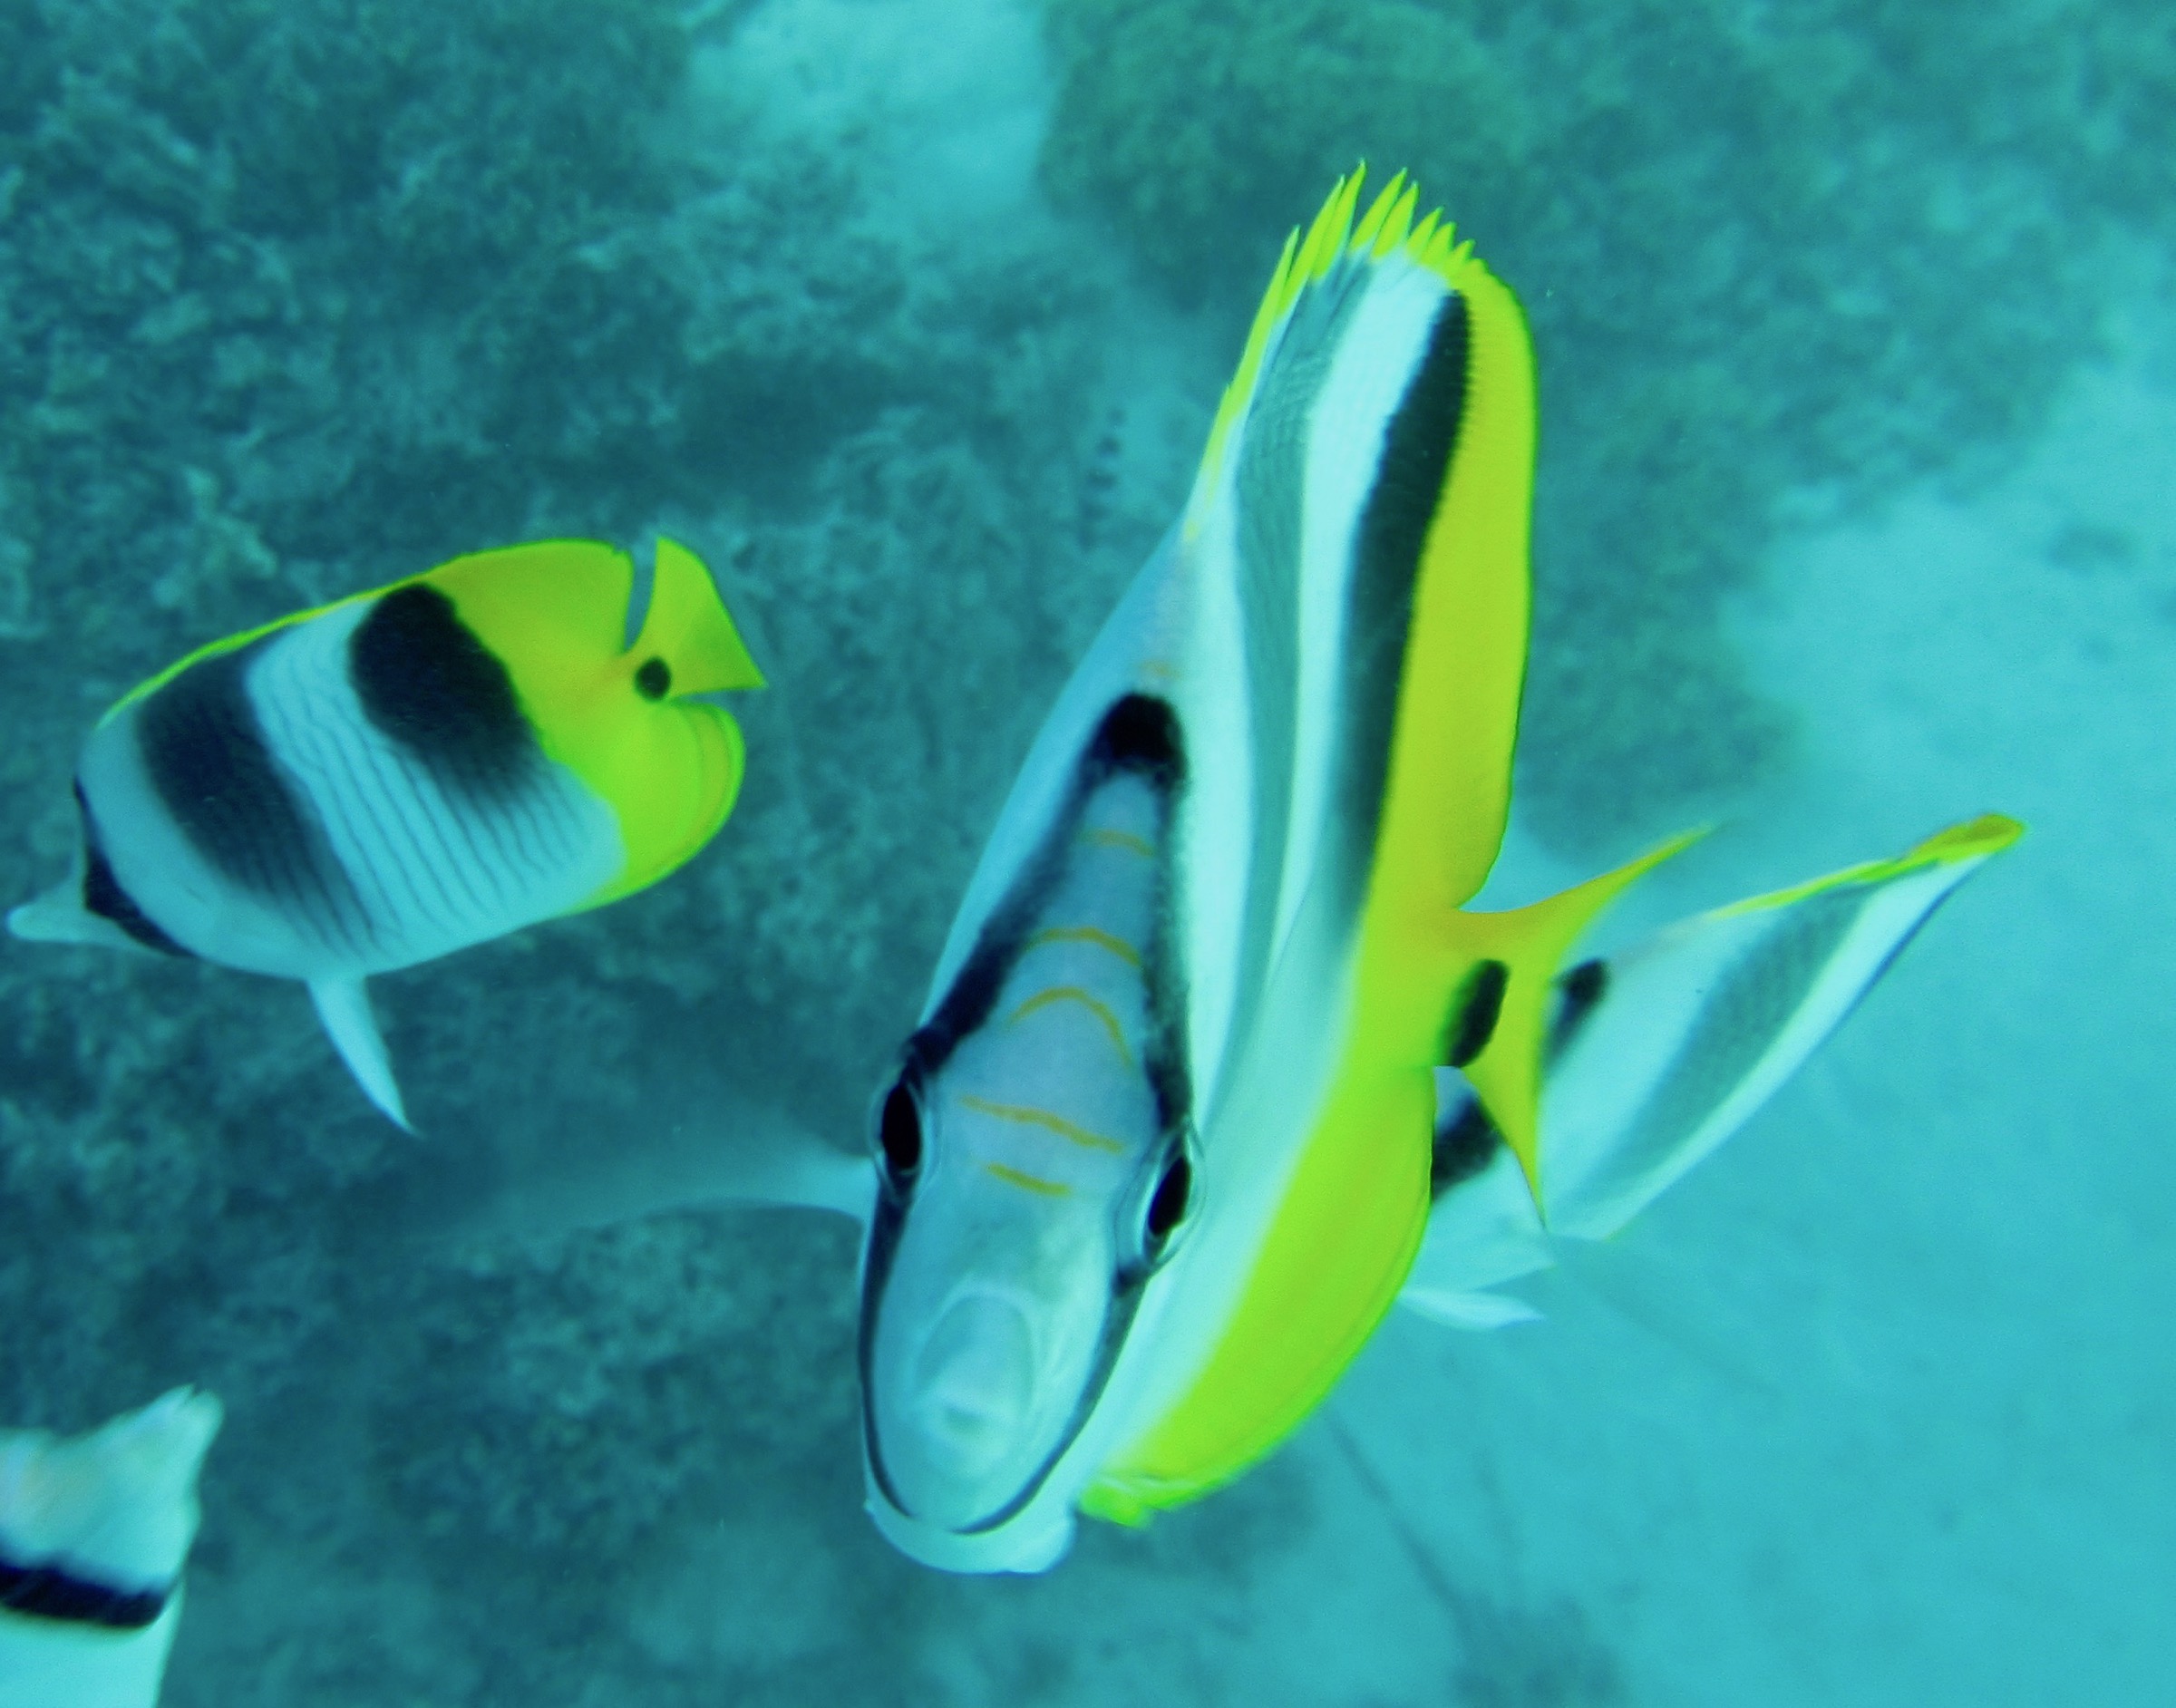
(408, 772)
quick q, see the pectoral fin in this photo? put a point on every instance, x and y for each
(1503, 1059)
(343, 1005)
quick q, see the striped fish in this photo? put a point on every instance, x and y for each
(409, 772)
(1168, 1138)
(93, 1531)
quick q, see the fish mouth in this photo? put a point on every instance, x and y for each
(972, 1403)
(972, 1397)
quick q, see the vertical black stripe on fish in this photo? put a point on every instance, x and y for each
(206, 757)
(103, 894)
(67, 1598)
(1418, 446)
(431, 686)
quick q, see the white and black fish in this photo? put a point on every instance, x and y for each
(1168, 1138)
(94, 1530)
(409, 772)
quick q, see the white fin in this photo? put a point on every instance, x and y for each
(703, 1148)
(1483, 1231)
(1468, 1310)
(115, 1508)
(343, 1005)
(59, 915)
(1659, 1053)
(1695, 1028)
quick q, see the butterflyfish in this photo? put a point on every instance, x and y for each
(409, 772)
(1216, 1047)
(94, 1530)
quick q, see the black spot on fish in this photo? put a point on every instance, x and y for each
(1465, 1144)
(1417, 449)
(104, 896)
(1474, 1013)
(654, 681)
(65, 1597)
(1579, 992)
(1140, 734)
(430, 685)
(205, 757)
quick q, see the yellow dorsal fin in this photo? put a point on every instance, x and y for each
(688, 627)
(1339, 232)
(1532, 942)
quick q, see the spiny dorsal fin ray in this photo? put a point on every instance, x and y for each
(1335, 237)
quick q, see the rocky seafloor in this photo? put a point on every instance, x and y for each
(907, 315)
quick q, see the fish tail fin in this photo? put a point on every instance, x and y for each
(343, 1005)
(59, 915)
(688, 627)
(1498, 1021)
(1659, 1053)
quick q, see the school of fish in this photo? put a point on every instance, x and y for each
(1218, 1062)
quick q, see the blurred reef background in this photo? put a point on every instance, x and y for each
(907, 314)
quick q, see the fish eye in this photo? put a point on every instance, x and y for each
(1167, 1204)
(654, 680)
(1164, 1218)
(900, 1134)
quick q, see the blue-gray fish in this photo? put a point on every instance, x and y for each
(94, 1530)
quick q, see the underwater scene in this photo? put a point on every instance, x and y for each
(1038, 1030)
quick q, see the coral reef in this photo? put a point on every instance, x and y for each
(1742, 234)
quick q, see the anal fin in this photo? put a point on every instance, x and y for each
(343, 1005)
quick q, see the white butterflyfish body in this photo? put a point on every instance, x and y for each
(408, 772)
(94, 1530)
(1168, 1138)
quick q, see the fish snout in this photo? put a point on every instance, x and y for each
(972, 1389)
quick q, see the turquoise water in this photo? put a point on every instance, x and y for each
(1860, 397)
